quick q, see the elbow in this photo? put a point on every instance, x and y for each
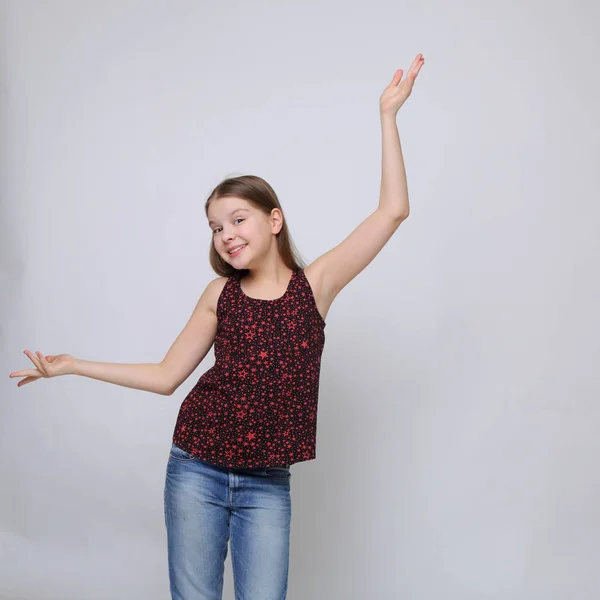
(167, 383)
(400, 217)
(167, 392)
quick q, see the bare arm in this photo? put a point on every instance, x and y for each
(196, 339)
(183, 357)
(340, 265)
(150, 377)
(186, 353)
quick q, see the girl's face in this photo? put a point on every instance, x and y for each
(235, 222)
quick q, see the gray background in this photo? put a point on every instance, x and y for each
(457, 440)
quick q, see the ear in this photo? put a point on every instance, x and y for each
(276, 220)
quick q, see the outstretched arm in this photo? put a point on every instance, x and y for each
(337, 267)
(184, 355)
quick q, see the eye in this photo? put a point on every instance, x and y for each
(238, 219)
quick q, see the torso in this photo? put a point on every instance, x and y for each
(257, 405)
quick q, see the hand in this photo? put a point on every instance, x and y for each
(46, 366)
(394, 95)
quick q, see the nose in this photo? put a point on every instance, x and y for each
(227, 235)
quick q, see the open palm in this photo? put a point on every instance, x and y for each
(397, 92)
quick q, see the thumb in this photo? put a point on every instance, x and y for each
(397, 77)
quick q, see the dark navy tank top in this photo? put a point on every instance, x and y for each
(257, 406)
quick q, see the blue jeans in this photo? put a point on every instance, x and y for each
(206, 506)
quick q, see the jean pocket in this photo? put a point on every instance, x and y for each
(278, 472)
(178, 454)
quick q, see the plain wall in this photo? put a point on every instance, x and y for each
(458, 411)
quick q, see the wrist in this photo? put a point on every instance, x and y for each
(75, 367)
(387, 116)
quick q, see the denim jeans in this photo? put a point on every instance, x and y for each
(207, 506)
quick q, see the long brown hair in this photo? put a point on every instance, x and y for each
(261, 195)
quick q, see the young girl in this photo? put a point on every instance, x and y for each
(254, 413)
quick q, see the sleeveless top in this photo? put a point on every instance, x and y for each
(257, 406)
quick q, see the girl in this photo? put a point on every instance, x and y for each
(254, 413)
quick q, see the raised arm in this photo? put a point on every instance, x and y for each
(337, 267)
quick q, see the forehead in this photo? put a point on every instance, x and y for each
(225, 207)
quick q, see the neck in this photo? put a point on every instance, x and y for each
(269, 273)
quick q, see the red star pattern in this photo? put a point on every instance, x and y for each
(257, 406)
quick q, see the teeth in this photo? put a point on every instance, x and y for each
(235, 249)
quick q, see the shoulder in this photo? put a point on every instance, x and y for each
(213, 291)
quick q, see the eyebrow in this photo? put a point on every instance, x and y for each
(212, 222)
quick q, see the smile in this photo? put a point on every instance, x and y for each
(237, 250)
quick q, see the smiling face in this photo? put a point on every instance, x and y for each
(236, 222)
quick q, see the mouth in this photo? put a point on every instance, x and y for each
(237, 250)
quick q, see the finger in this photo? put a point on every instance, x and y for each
(30, 356)
(27, 380)
(397, 77)
(418, 58)
(36, 361)
(410, 79)
(416, 67)
(42, 359)
(25, 373)
(33, 358)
